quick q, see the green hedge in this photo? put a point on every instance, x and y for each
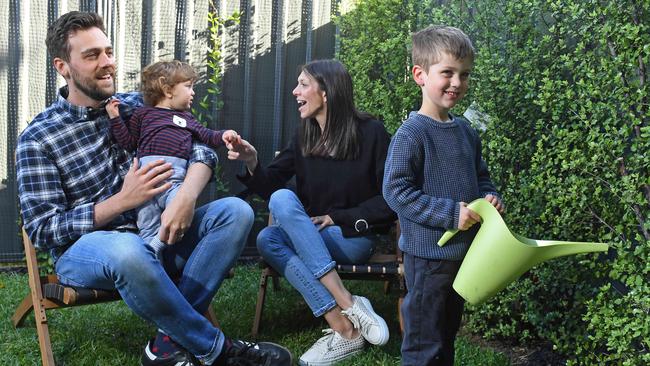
(566, 86)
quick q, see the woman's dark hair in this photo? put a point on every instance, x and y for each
(340, 138)
(58, 33)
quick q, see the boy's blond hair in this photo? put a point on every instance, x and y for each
(161, 76)
(430, 43)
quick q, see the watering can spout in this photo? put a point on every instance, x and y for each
(498, 256)
(553, 249)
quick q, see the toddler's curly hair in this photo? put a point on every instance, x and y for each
(161, 76)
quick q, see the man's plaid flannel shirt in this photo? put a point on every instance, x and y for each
(66, 164)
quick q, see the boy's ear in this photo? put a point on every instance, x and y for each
(61, 67)
(418, 74)
(167, 90)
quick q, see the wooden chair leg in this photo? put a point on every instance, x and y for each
(386, 287)
(261, 297)
(212, 316)
(22, 310)
(276, 283)
(44, 337)
(37, 300)
(399, 314)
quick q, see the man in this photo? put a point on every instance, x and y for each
(77, 195)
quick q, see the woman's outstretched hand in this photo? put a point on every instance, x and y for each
(245, 152)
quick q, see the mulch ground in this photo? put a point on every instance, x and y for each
(536, 354)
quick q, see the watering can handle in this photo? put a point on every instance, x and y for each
(446, 236)
(475, 206)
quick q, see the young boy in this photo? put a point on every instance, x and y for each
(434, 167)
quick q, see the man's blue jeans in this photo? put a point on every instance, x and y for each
(294, 247)
(201, 260)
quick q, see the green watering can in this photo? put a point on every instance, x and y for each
(497, 256)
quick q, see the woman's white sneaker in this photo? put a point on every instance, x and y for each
(372, 326)
(331, 348)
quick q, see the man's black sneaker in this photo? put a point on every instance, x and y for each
(257, 354)
(178, 358)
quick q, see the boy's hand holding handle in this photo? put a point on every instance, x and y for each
(468, 217)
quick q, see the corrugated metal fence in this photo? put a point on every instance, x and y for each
(261, 58)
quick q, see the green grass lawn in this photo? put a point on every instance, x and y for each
(110, 334)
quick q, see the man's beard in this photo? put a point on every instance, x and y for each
(90, 88)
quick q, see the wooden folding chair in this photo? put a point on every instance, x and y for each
(382, 266)
(47, 293)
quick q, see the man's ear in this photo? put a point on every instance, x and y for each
(419, 74)
(62, 67)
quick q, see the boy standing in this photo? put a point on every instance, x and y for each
(434, 167)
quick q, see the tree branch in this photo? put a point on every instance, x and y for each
(594, 214)
(635, 207)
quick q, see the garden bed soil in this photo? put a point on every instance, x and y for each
(535, 354)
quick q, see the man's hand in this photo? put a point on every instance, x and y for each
(176, 218)
(324, 221)
(496, 202)
(178, 215)
(142, 184)
(467, 217)
(112, 108)
(139, 186)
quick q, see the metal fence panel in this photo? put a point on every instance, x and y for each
(261, 58)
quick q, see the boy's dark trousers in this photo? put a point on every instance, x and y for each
(431, 311)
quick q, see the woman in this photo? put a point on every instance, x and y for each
(337, 157)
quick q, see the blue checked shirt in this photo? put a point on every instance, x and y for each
(66, 163)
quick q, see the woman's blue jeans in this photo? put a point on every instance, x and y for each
(295, 247)
(201, 260)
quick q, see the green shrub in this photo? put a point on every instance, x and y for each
(566, 86)
(372, 47)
